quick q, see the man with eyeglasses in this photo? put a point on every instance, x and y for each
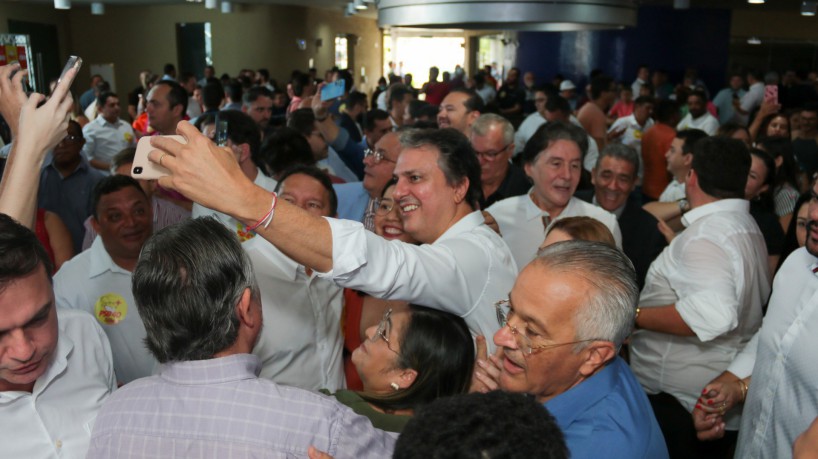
(563, 324)
(553, 160)
(67, 182)
(356, 199)
(492, 138)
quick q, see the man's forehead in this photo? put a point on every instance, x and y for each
(616, 165)
(124, 197)
(455, 98)
(423, 158)
(567, 150)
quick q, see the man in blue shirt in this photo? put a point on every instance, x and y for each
(565, 319)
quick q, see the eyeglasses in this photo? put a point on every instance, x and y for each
(384, 327)
(377, 155)
(384, 205)
(492, 155)
(523, 342)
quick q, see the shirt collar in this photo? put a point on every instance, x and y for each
(220, 370)
(618, 211)
(103, 122)
(464, 225)
(82, 166)
(101, 261)
(532, 211)
(722, 205)
(573, 403)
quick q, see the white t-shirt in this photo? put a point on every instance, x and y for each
(707, 123)
(633, 134)
(103, 140)
(674, 191)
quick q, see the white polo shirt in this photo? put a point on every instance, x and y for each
(55, 420)
(521, 223)
(707, 123)
(103, 140)
(92, 282)
(301, 343)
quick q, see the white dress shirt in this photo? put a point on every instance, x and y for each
(465, 271)
(750, 101)
(716, 274)
(301, 343)
(674, 191)
(229, 222)
(55, 419)
(707, 123)
(103, 140)
(783, 397)
(93, 283)
(521, 223)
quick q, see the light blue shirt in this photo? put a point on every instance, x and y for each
(352, 200)
(608, 415)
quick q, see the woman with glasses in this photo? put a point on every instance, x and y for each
(361, 310)
(409, 359)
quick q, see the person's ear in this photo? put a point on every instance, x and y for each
(407, 378)
(597, 354)
(244, 309)
(460, 190)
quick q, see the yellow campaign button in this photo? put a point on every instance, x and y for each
(111, 309)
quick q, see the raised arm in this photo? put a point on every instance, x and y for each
(35, 131)
(198, 165)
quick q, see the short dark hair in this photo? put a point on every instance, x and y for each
(234, 90)
(620, 151)
(186, 284)
(169, 68)
(698, 93)
(486, 426)
(124, 156)
(299, 82)
(20, 252)
(557, 103)
(242, 129)
(102, 98)
(722, 166)
(416, 108)
(549, 133)
(439, 347)
(112, 184)
(212, 95)
(303, 121)
(356, 98)
(397, 93)
(788, 171)
(600, 84)
(349, 83)
(282, 149)
(254, 93)
(317, 174)
(643, 100)
(474, 103)
(372, 116)
(665, 110)
(690, 137)
(457, 159)
(177, 94)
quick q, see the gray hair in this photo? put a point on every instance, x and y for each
(620, 151)
(485, 121)
(188, 280)
(609, 312)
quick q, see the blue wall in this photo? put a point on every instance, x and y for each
(663, 38)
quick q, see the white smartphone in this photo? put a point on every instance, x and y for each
(142, 167)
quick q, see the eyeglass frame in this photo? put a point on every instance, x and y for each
(493, 155)
(502, 319)
(377, 206)
(382, 333)
(377, 156)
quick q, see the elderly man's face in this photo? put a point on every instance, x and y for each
(28, 330)
(556, 172)
(377, 173)
(493, 154)
(427, 203)
(308, 193)
(613, 180)
(543, 305)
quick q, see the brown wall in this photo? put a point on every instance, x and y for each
(253, 36)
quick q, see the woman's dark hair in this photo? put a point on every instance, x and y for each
(762, 130)
(439, 347)
(788, 172)
(392, 182)
(790, 240)
(766, 198)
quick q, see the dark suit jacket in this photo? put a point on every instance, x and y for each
(642, 241)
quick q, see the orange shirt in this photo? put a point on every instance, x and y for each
(655, 143)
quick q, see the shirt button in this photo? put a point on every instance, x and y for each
(59, 444)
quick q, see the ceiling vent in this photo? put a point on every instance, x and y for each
(534, 15)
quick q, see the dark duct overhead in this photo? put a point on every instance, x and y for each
(535, 15)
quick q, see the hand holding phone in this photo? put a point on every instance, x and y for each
(333, 90)
(771, 94)
(73, 62)
(142, 167)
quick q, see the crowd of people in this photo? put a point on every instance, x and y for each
(480, 266)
